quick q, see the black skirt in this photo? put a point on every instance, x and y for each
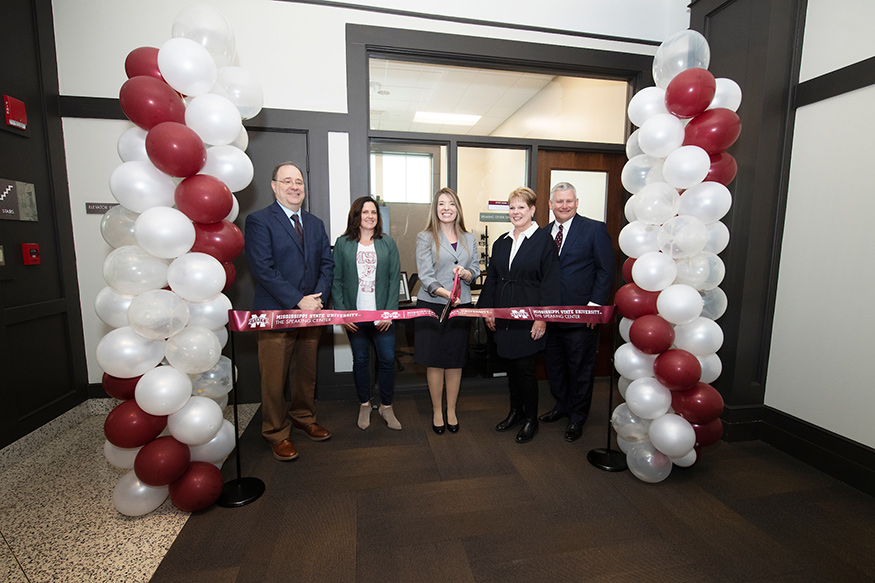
(441, 345)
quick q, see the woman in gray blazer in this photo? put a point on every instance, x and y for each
(442, 249)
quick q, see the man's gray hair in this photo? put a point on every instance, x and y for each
(563, 186)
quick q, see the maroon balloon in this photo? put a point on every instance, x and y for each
(143, 61)
(176, 149)
(634, 302)
(708, 433)
(723, 169)
(627, 269)
(700, 404)
(651, 334)
(129, 426)
(714, 130)
(677, 369)
(204, 198)
(119, 388)
(148, 101)
(690, 92)
(223, 240)
(162, 461)
(198, 488)
(230, 275)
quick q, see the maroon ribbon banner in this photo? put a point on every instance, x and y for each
(243, 321)
(567, 314)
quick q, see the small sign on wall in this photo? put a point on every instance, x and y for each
(17, 201)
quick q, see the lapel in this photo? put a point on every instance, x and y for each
(447, 247)
(522, 253)
(286, 224)
(572, 235)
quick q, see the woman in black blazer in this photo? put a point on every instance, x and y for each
(523, 271)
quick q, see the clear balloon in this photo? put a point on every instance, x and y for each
(624, 444)
(708, 201)
(628, 425)
(215, 382)
(164, 232)
(684, 50)
(702, 271)
(140, 186)
(217, 448)
(656, 203)
(711, 368)
(672, 435)
(131, 271)
(645, 104)
(632, 363)
(214, 118)
(112, 307)
(715, 303)
(187, 66)
(701, 337)
(124, 353)
(193, 351)
(647, 463)
(682, 236)
(158, 314)
(638, 238)
(131, 145)
(679, 304)
(117, 227)
(132, 497)
(242, 89)
(640, 171)
(197, 422)
(647, 398)
(727, 96)
(654, 271)
(686, 166)
(120, 457)
(196, 277)
(718, 238)
(230, 165)
(661, 135)
(209, 28)
(211, 313)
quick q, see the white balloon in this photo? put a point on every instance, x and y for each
(628, 425)
(629, 209)
(194, 350)
(682, 236)
(131, 271)
(217, 448)
(139, 186)
(117, 226)
(654, 271)
(208, 27)
(679, 304)
(656, 203)
(632, 363)
(718, 238)
(647, 398)
(624, 326)
(623, 384)
(707, 201)
(711, 368)
(125, 354)
(196, 277)
(647, 463)
(661, 135)
(112, 307)
(230, 165)
(638, 238)
(242, 89)
(715, 303)
(211, 313)
(131, 145)
(197, 422)
(632, 147)
(163, 390)
(700, 337)
(120, 457)
(686, 166)
(187, 66)
(214, 118)
(684, 50)
(672, 435)
(645, 104)
(158, 314)
(132, 497)
(241, 142)
(235, 210)
(728, 95)
(222, 335)
(687, 460)
(164, 232)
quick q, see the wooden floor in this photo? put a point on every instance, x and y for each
(411, 506)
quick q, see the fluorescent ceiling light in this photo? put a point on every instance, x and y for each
(456, 119)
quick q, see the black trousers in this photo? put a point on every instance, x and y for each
(523, 385)
(570, 362)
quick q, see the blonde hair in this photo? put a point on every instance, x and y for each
(526, 195)
(433, 225)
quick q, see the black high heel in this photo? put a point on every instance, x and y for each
(439, 429)
(453, 428)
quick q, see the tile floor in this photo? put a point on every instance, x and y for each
(57, 519)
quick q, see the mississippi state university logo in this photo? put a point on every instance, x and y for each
(258, 321)
(519, 314)
(390, 315)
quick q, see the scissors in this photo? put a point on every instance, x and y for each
(454, 295)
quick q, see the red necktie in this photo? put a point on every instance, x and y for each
(298, 229)
(558, 239)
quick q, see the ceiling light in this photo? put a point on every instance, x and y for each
(456, 119)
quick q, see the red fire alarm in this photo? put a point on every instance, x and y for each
(16, 113)
(30, 253)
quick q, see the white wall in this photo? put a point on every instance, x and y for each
(824, 316)
(297, 52)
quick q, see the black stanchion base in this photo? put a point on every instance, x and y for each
(240, 492)
(609, 460)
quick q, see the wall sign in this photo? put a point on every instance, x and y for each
(17, 201)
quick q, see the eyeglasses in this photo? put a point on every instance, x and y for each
(289, 182)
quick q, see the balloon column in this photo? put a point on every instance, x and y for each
(677, 174)
(173, 241)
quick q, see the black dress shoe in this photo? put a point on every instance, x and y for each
(512, 419)
(528, 431)
(439, 429)
(552, 416)
(574, 431)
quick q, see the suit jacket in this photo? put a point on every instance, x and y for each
(586, 263)
(346, 279)
(285, 272)
(533, 280)
(439, 274)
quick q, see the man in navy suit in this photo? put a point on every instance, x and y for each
(289, 255)
(586, 272)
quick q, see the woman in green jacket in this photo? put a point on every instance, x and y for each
(367, 271)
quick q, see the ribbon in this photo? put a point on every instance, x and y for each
(567, 314)
(247, 321)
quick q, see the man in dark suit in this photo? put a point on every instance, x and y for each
(586, 271)
(289, 255)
